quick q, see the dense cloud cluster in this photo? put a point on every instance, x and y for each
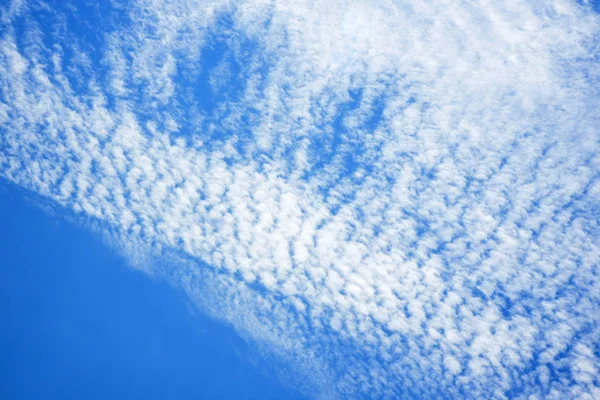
(399, 199)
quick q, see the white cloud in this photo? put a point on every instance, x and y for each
(460, 257)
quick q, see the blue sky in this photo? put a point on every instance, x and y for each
(81, 324)
(344, 199)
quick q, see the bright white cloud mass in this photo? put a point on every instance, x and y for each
(395, 198)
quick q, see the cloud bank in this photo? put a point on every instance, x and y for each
(397, 199)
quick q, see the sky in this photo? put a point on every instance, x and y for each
(79, 324)
(298, 199)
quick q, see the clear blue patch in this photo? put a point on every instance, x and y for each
(77, 323)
